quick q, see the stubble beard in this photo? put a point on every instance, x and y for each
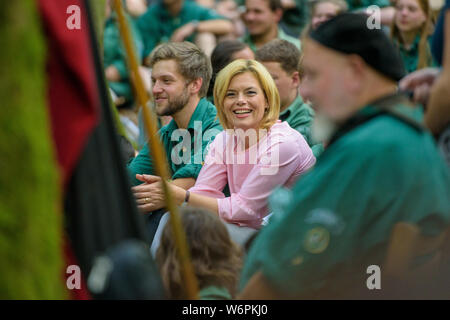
(175, 105)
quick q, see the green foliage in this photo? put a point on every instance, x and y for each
(31, 264)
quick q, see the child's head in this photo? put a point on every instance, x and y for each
(411, 15)
(215, 258)
(416, 17)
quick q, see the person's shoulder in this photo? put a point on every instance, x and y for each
(287, 140)
(219, 141)
(192, 5)
(214, 293)
(209, 114)
(167, 128)
(306, 109)
(386, 139)
(208, 105)
(281, 131)
(284, 36)
(149, 17)
(151, 11)
(300, 111)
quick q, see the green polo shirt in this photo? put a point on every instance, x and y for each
(281, 35)
(114, 54)
(183, 163)
(410, 56)
(340, 219)
(157, 24)
(300, 117)
(363, 4)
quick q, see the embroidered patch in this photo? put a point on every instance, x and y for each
(316, 240)
(297, 261)
(327, 218)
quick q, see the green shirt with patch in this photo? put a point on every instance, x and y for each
(338, 218)
(157, 24)
(185, 149)
(281, 35)
(300, 117)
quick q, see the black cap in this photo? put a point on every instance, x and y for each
(349, 33)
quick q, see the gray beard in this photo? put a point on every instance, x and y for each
(176, 105)
(323, 128)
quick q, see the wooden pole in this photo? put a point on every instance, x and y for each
(159, 156)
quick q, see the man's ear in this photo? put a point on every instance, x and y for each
(196, 85)
(295, 79)
(278, 14)
(357, 68)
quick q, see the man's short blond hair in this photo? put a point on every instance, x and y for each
(191, 60)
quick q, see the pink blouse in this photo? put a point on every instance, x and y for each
(252, 174)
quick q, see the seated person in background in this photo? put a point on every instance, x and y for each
(281, 58)
(216, 260)
(224, 53)
(261, 19)
(256, 154)
(339, 216)
(230, 10)
(180, 77)
(180, 20)
(431, 85)
(411, 32)
(323, 10)
(114, 59)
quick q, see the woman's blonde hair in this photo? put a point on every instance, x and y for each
(425, 58)
(265, 80)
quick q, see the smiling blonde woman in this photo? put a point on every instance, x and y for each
(254, 155)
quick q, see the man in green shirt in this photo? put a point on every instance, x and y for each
(179, 20)
(295, 16)
(281, 58)
(261, 19)
(380, 167)
(180, 77)
(114, 60)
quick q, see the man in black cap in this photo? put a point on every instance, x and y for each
(380, 167)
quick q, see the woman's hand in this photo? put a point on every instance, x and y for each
(420, 82)
(150, 195)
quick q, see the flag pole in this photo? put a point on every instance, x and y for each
(159, 156)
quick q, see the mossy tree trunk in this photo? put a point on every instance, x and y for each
(31, 260)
